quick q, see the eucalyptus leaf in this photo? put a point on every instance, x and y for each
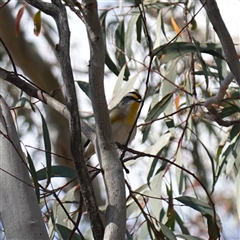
(167, 232)
(65, 233)
(168, 52)
(57, 171)
(47, 145)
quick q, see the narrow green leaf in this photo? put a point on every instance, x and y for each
(229, 110)
(110, 64)
(47, 145)
(108, 61)
(211, 160)
(159, 107)
(197, 205)
(158, 41)
(181, 223)
(170, 125)
(152, 170)
(193, 24)
(156, 149)
(154, 113)
(66, 232)
(221, 66)
(219, 152)
(229, 152)
(174, 50)
(84, 87)
(119, 90)
(213, 227)
(129, 33)
(167, 232)
(129, 236)
(56, 171)
(203, 64)
(118, 85)
(102, 19)
(188, 237)
(163, 26)
(34, 175)
(120, 44)
(139, 29)
(25, 103)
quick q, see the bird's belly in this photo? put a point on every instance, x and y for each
(120, 133)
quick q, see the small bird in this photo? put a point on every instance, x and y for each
(122, 118)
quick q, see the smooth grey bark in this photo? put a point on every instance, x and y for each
(19, 209)
(106, 150)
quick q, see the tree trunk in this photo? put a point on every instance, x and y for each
(20, 213)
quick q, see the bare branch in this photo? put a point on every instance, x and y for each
(45, 98)
(221, 93)
(48, 8)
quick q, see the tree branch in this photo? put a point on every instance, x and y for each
(224, 36)
(106, 150)
(44, 97)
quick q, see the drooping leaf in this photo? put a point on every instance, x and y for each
(56, 171)
(188, 237)
(214, 225)
(174, 25)
(121, 88)
(66, 232)
(129, 33)
(108, 61)
(37, 23)
(180, 222)
(18, 19)
(154, 113)
(229, 155)
(139, 29)
(221, 66)
(229, 110)
(120, 44)
(196, 204)
(163, 26)
(211, 161)
(193, 24)
(25, 103)
(110, 64)
(34, 175)
(156, 149)
(167, 232)
(174, 50)
(179, 173)
(85, 87)
(200, 58)
(47, 145)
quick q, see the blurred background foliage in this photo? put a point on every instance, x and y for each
(181, 161)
